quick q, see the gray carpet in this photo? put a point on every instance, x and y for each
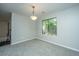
(35, 48)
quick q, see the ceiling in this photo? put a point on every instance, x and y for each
(40, 8)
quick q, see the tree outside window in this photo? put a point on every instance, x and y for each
(49, 26)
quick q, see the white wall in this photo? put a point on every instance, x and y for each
(23, 28)
(67, 28)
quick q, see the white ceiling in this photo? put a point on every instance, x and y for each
(40, 8)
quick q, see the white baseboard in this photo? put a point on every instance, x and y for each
(61, 45)
(20, 41)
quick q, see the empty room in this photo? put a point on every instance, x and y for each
(39, 29)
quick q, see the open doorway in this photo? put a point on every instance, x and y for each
(5, 30)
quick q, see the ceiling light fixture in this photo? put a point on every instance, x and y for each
(33, 17)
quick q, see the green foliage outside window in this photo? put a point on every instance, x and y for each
(49, 26)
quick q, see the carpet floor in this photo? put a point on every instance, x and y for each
(36, 47)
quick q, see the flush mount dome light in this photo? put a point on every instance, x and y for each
(33, 17)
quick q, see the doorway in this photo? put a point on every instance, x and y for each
(5, 36)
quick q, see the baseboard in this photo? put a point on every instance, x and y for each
(61, 45)
(20, 41)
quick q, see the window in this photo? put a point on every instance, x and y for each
(49, 26)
